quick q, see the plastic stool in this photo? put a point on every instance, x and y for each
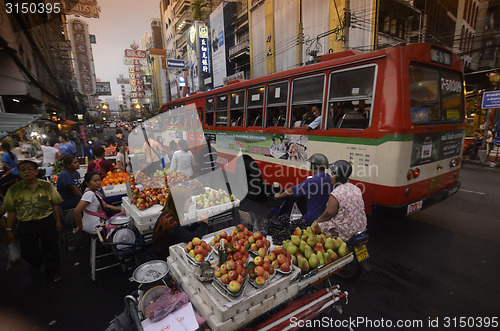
(94, 257)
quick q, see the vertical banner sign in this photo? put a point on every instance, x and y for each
(80, 46)
(83, 134)
(193, 59)
(218, 46)
(205, 64)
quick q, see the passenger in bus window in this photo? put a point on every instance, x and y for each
(254, 117)
(316, 123)
(345, 108)
(298, 117)
(329, 117)
(308, 117)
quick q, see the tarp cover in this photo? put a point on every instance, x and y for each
(10, 122)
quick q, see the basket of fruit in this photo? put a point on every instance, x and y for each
(261, 272)
(230, 278)
(197, 251)
(281, 260)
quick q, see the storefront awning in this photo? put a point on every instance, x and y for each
(10, 122)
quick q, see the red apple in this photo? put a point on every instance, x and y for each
(223, 234)
(281, 258)
(285, 267)
(223, 269)
(225, 279)
(217, 272)
(233, 275)
(258, 260)
(260, 280)
(259, 270)
(259, 243)
(272, 256)
(262, 251)
(240, 279)
(270, 269)
(275, 264)
(199, 258)
(258, 235)
(231, 265)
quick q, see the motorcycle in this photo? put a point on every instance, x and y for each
(357, 245)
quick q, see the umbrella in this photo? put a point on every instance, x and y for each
(69, 122)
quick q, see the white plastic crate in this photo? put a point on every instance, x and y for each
(114, 190)
(143, 220)
(220, 306)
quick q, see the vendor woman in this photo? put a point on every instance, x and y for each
(168, 230)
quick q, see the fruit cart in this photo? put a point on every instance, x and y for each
(224, 310)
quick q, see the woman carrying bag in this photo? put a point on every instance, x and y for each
(91, 205)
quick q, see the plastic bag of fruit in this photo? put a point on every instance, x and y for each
(164, 305)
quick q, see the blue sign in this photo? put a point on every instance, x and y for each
(180, 64)
(92, 38)
(205, 64)
(491, 99)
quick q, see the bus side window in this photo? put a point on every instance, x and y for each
(209, 110)
(306, 93)
(221, 110)
(350, 97)
(237, 108)
(277, 99)
(255, 103)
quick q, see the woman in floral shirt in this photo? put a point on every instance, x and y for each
(345, 211)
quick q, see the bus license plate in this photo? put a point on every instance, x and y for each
(361, 253)
(435, 183)
(414, 207)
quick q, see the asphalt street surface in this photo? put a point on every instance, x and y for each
(436, 265)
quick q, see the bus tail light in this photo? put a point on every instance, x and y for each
(409, 175)
(455, 162)
(416, 173)
(413, 173)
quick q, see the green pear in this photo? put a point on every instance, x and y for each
(304, 237)
(311, 241)
(284, 244)
(296, 240)
(308, 231)
(332, 254)
(343, 249)
(303, 245)
(336, 244)
(320, 258)
(299, 255)
(298, 232)
(340, 240)
(303, 264)
(315, 228)
(329, 244)
(308, 252)
(321, 239)
(291, 248)
(294, 259)
(313, 261)
(327, 258)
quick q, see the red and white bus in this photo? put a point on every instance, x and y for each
(397, 114)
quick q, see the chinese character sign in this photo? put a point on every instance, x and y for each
(205, 63)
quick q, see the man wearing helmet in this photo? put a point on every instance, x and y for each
(315, 188)
(345, 212)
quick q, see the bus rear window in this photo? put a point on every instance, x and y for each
(436, 96)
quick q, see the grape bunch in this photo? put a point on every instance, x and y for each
(282, 228)
(196, 186)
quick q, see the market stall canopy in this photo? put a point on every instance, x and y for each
(69, 122)
(10, 122)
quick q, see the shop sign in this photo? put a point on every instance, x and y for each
(85, 8)
(203, 36)
(137, 53)
(80, 45)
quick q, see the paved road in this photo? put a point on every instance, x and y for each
(441, 262)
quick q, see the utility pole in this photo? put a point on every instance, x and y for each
(301, 36)
(347, 23)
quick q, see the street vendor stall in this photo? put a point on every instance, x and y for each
(224, 311)
(221, 306)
